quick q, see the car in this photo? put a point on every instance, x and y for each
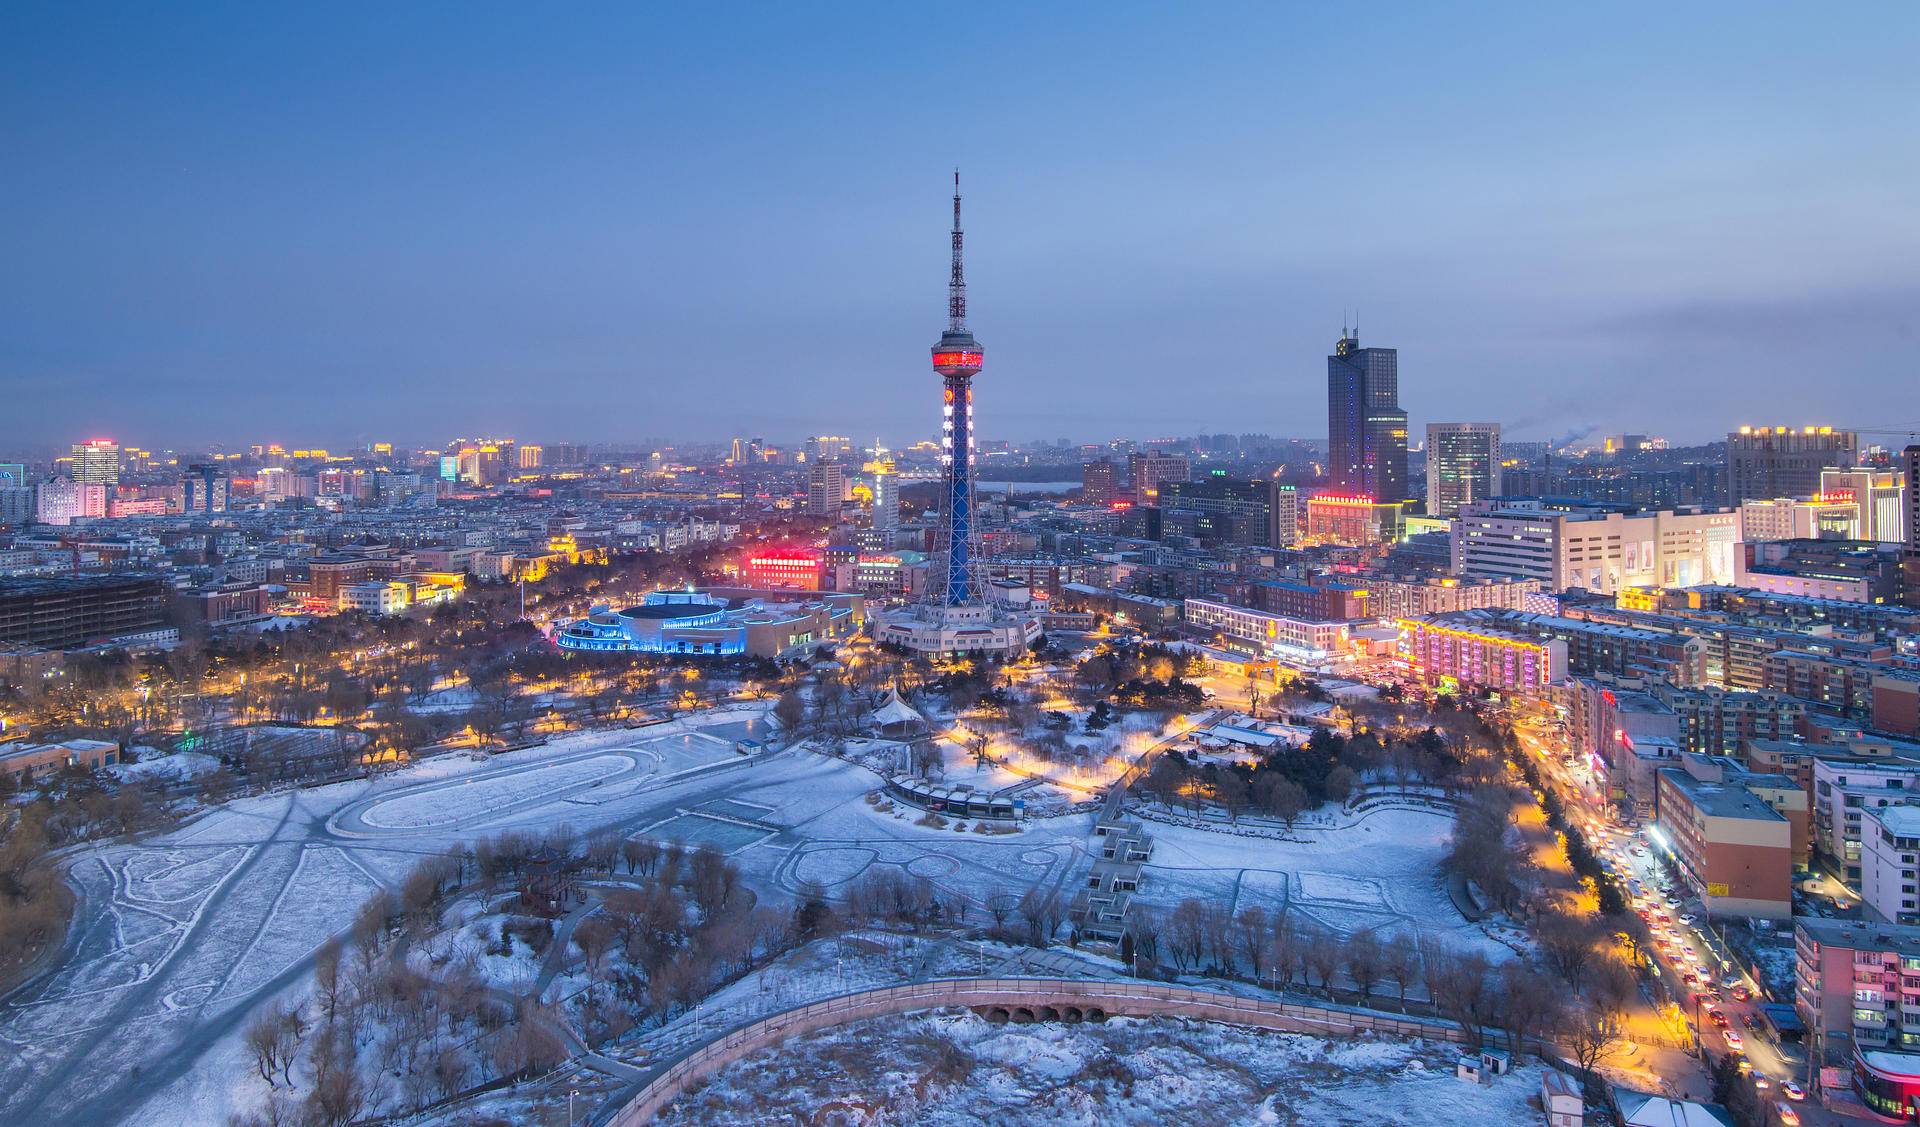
(1686, 918)
(1743, 1066)
(1761, 1083)
(1788, 1116)
(1689, 978)
(1734, 1040)
(1719, 1019)
(1792, 1091)
(1741, 994)
(1646, 915)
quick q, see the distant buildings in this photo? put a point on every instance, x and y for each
(886, 498)
(1463, 465)
(1366, 429)
(1765, 462)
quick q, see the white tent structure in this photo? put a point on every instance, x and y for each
(895, 717)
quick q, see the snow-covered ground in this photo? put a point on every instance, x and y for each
(181, 936)
(946, 1070)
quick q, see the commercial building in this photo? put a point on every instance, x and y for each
(1148, 471)
(1334, 518)
(1735, 850)
(798, 569)
(70, 612)
(1318, 598)
(1783, 462)
(710, 624)
(1463, 652)
(95, 462)
(1784, 518)
(1260, 512)
(1878, 496)
(1297, 641)
(1463, 465)
(1600, 548)
(1366, 429)
(531, 456)
(1413, 597)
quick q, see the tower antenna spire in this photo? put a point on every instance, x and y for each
(957, 283)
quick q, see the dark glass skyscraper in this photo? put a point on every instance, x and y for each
(1366, 429)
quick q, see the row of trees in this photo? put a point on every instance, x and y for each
(1576, 992)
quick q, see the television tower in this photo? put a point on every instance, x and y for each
(958, 358)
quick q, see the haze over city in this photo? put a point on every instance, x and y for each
(438, 219)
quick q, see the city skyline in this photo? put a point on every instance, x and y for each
(584, 239)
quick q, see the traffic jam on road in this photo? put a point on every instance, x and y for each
(1710, 992)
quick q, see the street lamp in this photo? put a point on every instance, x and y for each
(571, 1092)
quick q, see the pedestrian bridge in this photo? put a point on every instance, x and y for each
(1014, 1000)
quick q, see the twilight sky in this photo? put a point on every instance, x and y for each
(335, 223)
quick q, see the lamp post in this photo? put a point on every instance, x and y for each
(571, 1092)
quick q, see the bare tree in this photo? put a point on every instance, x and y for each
(1320, 954)
(1589, 1035)
(1250, 937)
(1363, 961)
(1187, 933)
(326, 978)
(1401, 962)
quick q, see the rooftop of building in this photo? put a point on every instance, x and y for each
(1721, 800)
(1861, 935)
(1900, 820)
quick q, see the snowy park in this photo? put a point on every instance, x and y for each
(179, 938)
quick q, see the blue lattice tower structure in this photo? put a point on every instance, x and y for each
(958, 358)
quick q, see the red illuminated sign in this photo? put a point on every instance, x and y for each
(958, 359)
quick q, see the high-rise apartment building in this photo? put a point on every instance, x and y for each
(1149, 470)
(826, 487)
(1366, 429)
(530, 456)
(96, 462)
(1768, 462)
(1463, 465)
(1100, 482)
(13, 475)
